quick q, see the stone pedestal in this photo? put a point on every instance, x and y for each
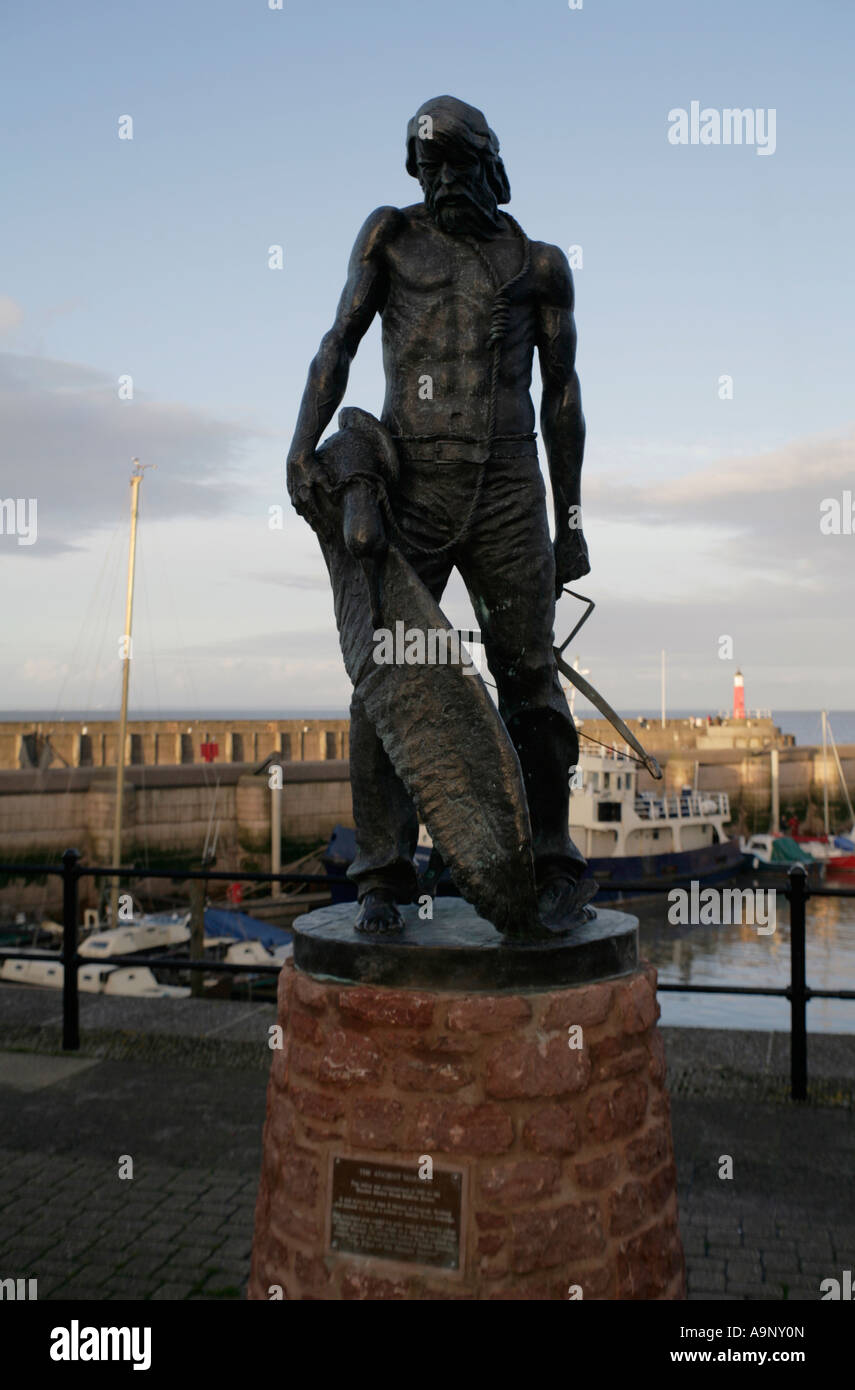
(452, 1141)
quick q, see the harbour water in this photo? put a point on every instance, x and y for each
(740, 955)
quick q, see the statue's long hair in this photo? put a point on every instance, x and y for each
(457, 123)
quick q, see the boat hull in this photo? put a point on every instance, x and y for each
(706, 864)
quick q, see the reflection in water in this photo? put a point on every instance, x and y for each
(739, 955)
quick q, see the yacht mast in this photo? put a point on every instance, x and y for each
(663, 688)
(825, 769)
(125, 651)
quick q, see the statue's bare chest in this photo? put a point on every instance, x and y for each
(430, 272)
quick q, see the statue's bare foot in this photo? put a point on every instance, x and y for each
(563, 902)
(378, 914)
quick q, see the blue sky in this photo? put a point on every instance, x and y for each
(255, 127)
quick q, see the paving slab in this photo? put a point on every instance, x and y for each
(182, 1090)
(27, 1071)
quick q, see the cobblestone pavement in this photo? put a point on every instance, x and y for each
(786, 1220)
(170, 1233)
(183, 1229)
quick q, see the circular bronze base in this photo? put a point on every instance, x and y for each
(457, 949)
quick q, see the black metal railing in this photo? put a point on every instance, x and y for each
(72, 871)
(796, 889)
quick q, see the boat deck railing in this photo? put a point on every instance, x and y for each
(682, 807)
(796, 888)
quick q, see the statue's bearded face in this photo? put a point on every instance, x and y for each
(457, 193)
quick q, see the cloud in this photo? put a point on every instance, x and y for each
(11, 314)
(69, 441)
(755, 517)
(734, 492)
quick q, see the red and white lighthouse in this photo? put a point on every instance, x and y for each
(738, 696)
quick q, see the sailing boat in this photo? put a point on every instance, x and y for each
(837, 852)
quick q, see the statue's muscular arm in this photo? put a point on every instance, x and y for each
(561, 420)
(363, 296)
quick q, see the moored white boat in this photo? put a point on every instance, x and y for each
(627, 835)
(132, 981)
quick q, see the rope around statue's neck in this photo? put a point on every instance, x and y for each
(499, 319)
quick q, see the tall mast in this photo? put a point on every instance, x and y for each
(663, 687)
(843, 785)
(136, 479)
(825, 768)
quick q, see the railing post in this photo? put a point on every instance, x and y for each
(798, 895)
(197, 935)
(70, 1001)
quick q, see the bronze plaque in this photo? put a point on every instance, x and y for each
(393, 1214)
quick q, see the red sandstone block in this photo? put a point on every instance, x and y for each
(597, 1172)
(306, 1028)
(544, 1238)
(490, 1244)
(452, 1127)
(310, 992)
(651, 973)
(627, 1208)
(493, 1014)
(367, 1286)
(396, 1040)
(304, 1059)
(637, 1005)
(660, 1106)
(300, 1176)
(443, 1045)
(526, 1293)
(350, 1058)
(660, 1187)
(313, 1134)
(319, 1105)
(374, 1123)
(509, 1184)
(279, 1131)
(596, 1283)
(611, 1114)
(286, 1219)
(493, 1268)
(584, 1007)
(271, 1260)
(649, 1150)
(412, 1074)
(312, 1272)
(394, 1008)
(279, 1066)
(284, 986)
(428, 1293)
(490, 1220)
(656, 1052)
(614, 1057)
(647, 1263)
(552, 1130)
(528, 1069)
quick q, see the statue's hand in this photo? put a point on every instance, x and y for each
(309, 493)
(300, 476)
(571, 556)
